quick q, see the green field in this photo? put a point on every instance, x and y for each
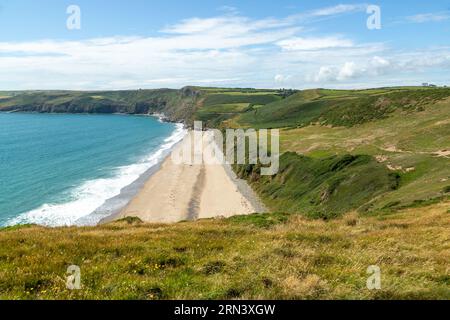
(340, 108)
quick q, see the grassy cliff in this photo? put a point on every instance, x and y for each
(322, 188)
(177, 105)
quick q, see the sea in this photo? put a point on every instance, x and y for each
(74, 169)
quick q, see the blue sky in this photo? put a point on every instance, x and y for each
(171, 43)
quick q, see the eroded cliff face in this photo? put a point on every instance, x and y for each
(176, 105)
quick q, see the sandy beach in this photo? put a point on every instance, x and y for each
(180, 192)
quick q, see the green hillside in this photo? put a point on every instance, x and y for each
(219, 105)
(177, 105)
(413, 144)
(340, 108)
(401, 137)
(322, 188)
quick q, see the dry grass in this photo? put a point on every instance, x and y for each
(241, 258)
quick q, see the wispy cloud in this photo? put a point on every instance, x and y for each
(230, 25)
(225, 50)
(317, 43)
(428, 17)
(338, 9)
(229, 9)
(232, 22)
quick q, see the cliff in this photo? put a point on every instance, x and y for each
(177, 105)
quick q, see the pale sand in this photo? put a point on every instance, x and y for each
(179, 192)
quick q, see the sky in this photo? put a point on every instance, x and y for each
(113, 45)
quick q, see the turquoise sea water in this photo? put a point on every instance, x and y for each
(57, 169)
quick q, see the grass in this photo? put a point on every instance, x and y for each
(214, 115)
(239, 97)
(290, 257)
(218, 106)
(321, 188)
(340, 108)
(226, 108)
(405, 142)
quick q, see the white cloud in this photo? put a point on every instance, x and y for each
(348, 71)
(412, 64)
(299, 44)
(227, 25)
(339, 9)
(379, 65)
(428, 17)
(325, 74)
(281, 79)
(227, 50)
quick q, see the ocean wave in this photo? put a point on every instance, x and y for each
(86, 198)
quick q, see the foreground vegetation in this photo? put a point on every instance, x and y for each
(272, 256)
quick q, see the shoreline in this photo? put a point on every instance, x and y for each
(113, 206)
(188, 192)
(197, 192)
(88, 202)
